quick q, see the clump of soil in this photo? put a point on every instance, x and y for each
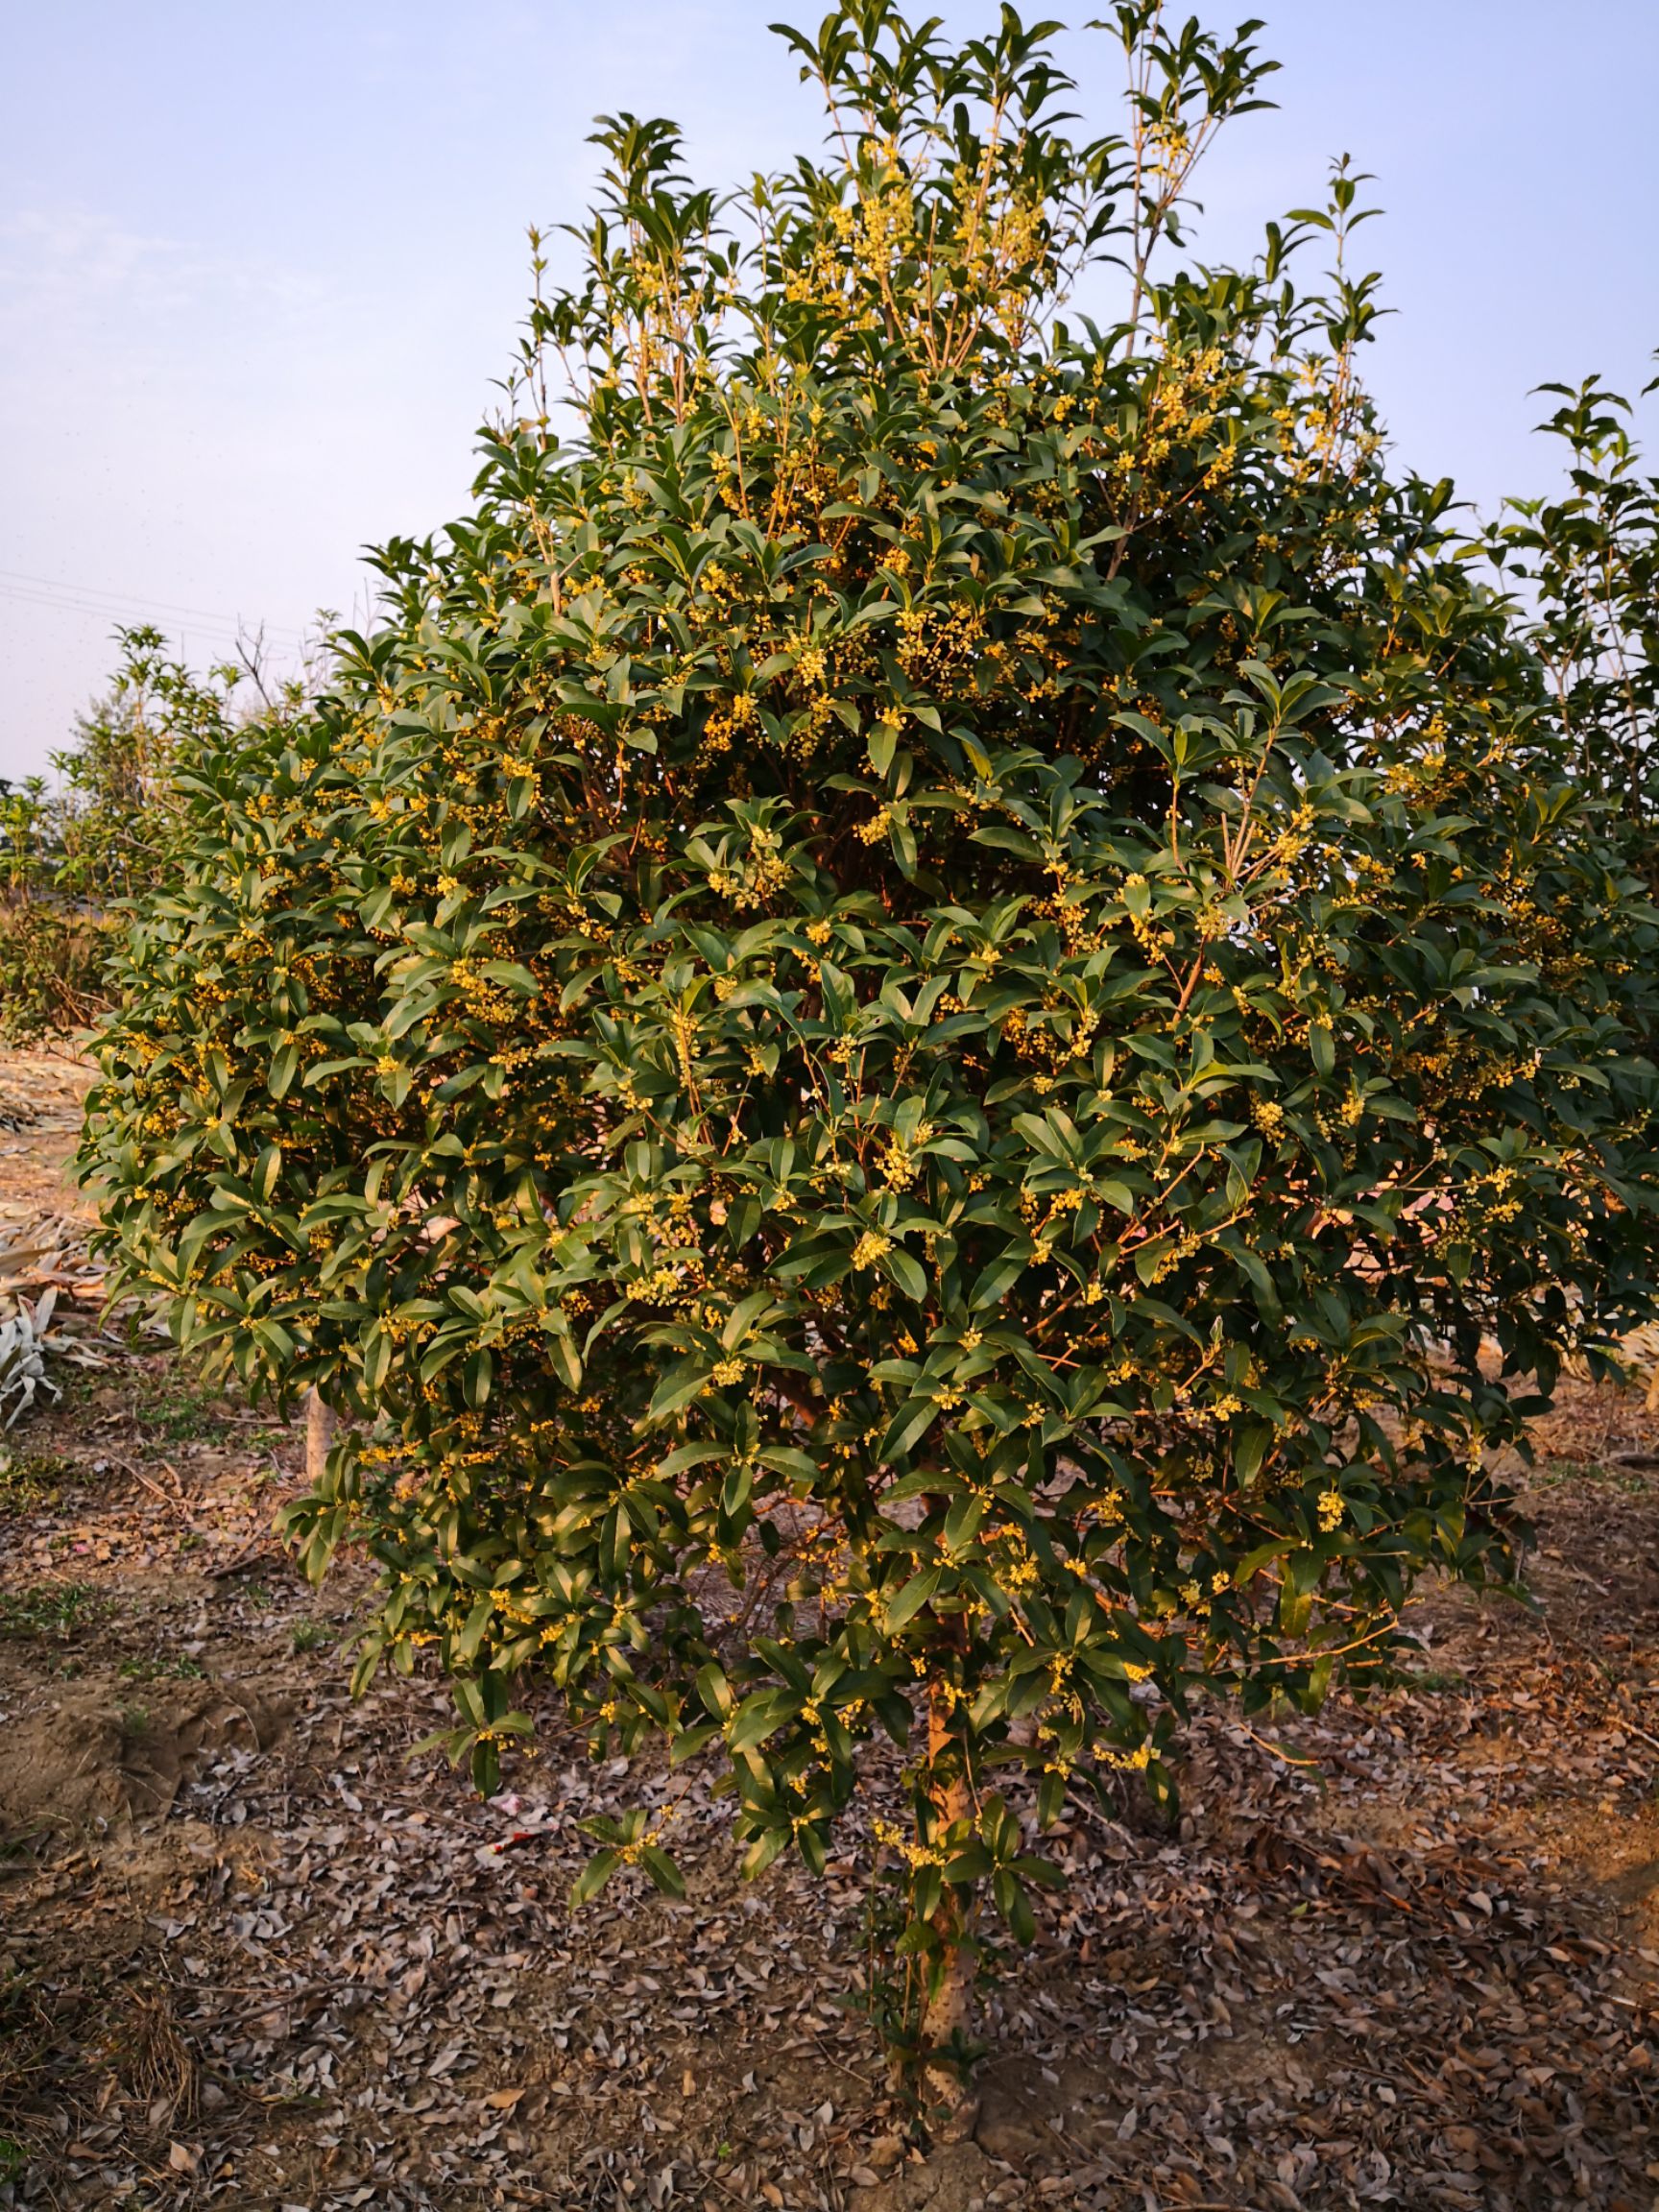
(90, 1757)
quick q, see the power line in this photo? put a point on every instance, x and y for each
(131, 599)
(185, 637)
(92, 599)
(25, 597)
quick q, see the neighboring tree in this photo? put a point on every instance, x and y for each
(1586, 570)
(52, 950)
(72, 850)
(924, 1045)
(119, 791)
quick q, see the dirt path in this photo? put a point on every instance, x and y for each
(253, 1955)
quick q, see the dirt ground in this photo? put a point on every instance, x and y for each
(253, 1955)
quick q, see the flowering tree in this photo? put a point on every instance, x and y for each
(1586, 566)
(70, 856)
(897, 1038)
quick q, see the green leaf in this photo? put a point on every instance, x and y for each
(908, 1601)
(594, 1877)
(1014, 1906)
(912, 1421)
(662, 1871)
(900, 1267)
(761, 1852)
(285, 1063)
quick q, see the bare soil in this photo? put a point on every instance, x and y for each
(253, 1955)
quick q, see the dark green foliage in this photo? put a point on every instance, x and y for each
(1585, 568)
(52, 959)
(51, 953)
(898, 1038)
(70, 853)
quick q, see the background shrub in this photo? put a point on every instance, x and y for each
(1584, 570)
(74, 851)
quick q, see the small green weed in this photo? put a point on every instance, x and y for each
(282, 2098)
(77, 1387)
(28, 1479)
(179, 1420)
(308, 1635)
(173, 1409)
(179, 1669)
(49, 1609)
(1432, 1679)
(1572, 1474)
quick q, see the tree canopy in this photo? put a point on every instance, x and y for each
(933, 1040)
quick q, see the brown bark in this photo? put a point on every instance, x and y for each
(320, 1426)
(949, 2011)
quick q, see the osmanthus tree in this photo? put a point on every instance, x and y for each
(70, 855)
(1585, 570)
(896, 1040)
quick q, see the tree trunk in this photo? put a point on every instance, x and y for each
(949, 2011)
(320, 1426)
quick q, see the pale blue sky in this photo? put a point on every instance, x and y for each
(260, 261)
